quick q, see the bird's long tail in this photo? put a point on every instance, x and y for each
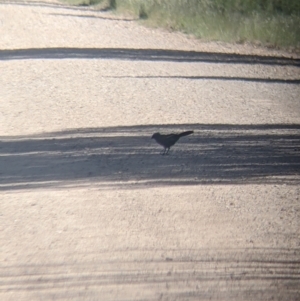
(186, 133)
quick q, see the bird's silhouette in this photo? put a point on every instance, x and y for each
(169, 140)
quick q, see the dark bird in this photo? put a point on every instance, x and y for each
(169, 140)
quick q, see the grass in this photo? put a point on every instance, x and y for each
(272, 23)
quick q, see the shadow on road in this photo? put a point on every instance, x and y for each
(214, 154)
(93, 16)
(49, 4)
(144, 55)
(216, 78)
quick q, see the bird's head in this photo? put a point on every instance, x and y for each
(155, 135)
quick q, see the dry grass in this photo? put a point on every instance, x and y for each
(272, 23)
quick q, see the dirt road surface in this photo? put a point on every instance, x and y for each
(89, 209)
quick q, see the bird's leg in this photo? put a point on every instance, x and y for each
(167, 150)
(163, 152)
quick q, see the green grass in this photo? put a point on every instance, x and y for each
(273, 23)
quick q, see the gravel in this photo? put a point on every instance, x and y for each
(89, 209)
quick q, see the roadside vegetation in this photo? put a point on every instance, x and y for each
(272, 23)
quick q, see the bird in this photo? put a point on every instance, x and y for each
(168, 140)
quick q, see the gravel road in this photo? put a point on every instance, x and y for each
(89, 208)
